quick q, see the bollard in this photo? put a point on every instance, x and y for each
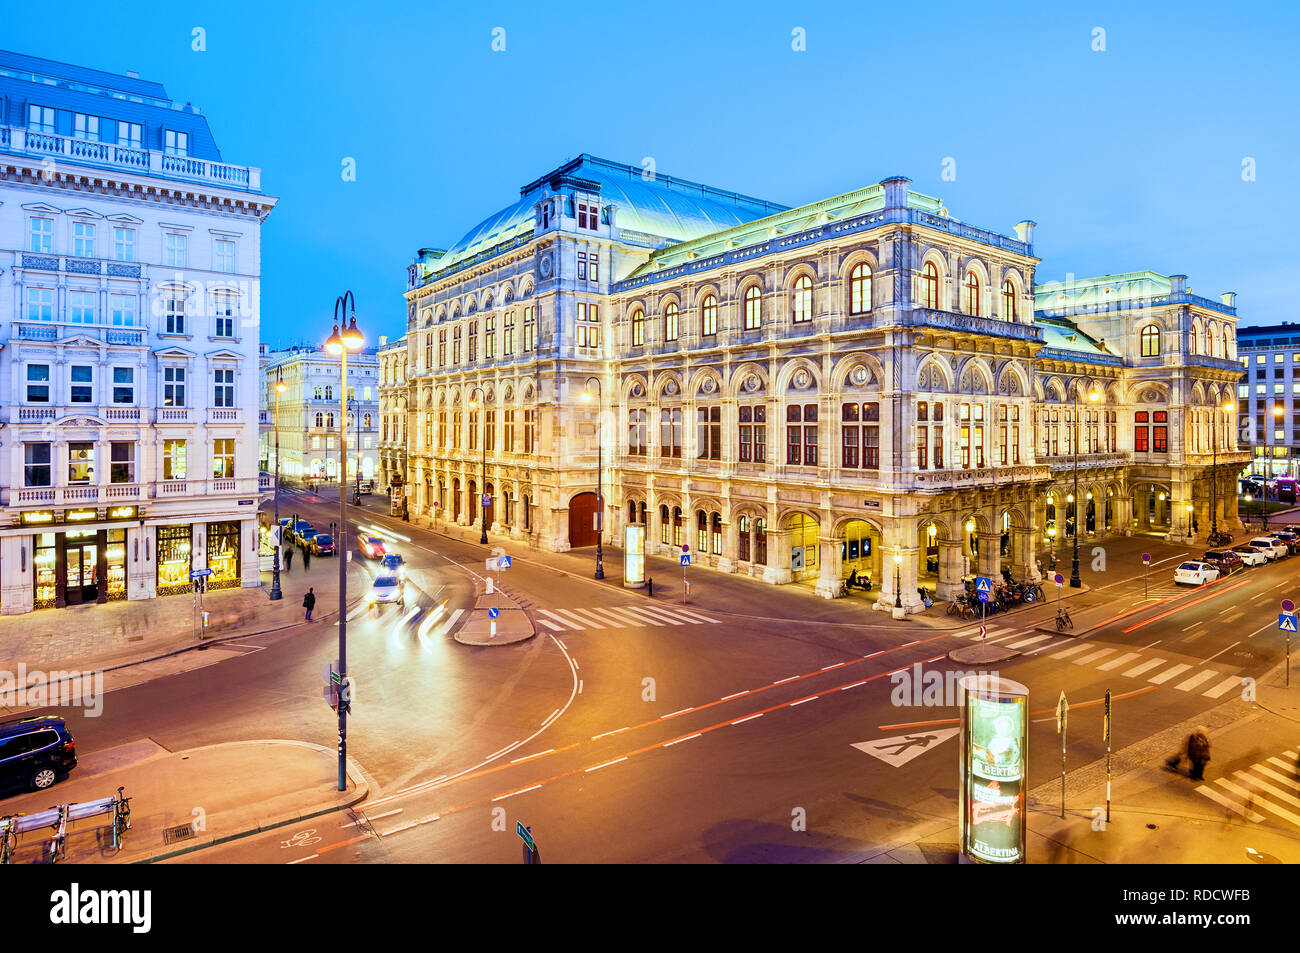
(650, 586)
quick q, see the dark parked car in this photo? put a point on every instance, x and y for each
(35, 752)
(1225, 560)
(322, 544)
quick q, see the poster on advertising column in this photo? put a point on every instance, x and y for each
(994, 763)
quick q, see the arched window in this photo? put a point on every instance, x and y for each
(329, 392)
(638, 327)
(1150, 341)
(1008, 300)
(753, 308)
(930, 285)
(329, 420)
(677, 525)
(801, 300)
(715, 533)
(760, 542)
(702, 532)
(1198, 338)
(631, 511)
(709, 316)
(860, 289)
(742, 539)
(972, 293)
(670, 321)
(366, 421)
(663, 523)
(320, 420)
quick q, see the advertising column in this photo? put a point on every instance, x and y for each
(994, 769)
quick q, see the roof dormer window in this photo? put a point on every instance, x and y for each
(129, 134)
(85, 127)
(40, 119)
(176, 143)
(588, 216)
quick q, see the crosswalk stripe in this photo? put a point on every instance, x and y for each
(574, 620)
(1277, 792)
(1092, 657)
(696, 616)
(1030, 641)
(1269, 772)
(655, 612)
(1286, 767)
(967, 633)
(1168, 673)
(633, 617)
(1229, 803)
(1117, 662)
(1001, 638)
(550, 625)
(1070, 651)
(605, 616)
(456, 614)
(563, 623)
(1229, 683)
(1265, 804)
(582, 615)
(1137, 670)
(1195, 680)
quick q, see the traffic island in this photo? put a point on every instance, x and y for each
(186, 800)
(496, 619)
(982, 654)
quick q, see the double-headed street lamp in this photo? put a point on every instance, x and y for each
(482, 510)
(1093, 397)
(600, 473)
(275, 556)
(338, 344)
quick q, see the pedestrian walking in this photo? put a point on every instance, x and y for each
(1198, 752)
(309, 601)
(306, 559)
(288, 558)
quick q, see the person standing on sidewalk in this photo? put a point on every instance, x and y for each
(288, 558)
(306, 559)
(309, 601)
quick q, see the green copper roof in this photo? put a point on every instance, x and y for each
(1092, 292)
(1066, 337)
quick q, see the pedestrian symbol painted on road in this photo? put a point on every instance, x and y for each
(983, 584)
(900, 749)
(1286, 622)
(686, 559)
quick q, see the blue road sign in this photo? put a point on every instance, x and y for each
(200, 573)
(984, 596)
(1288, 605)
(983, 584)
(1058, 579)
(525, 835)
(503, 562)
(1286, 622)
(686, 559)
(493, 612)
(1146, 557)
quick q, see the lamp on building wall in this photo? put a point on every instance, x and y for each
(338, 344)
(1093, 397)
(275, 556)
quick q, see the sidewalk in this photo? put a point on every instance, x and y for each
(116, 634)
(183, 801)
(1157, 816)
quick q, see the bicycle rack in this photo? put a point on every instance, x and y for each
(60, 816)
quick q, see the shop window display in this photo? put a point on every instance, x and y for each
(44, 561)
(173, 551)
(223, 555)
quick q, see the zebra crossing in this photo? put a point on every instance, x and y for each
(1271, 786)
(619, 617)
(1181, 676)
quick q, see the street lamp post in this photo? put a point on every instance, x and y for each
(482, 510)
(339, 344)
(275, 556)
(600, 474)
(1093, 397)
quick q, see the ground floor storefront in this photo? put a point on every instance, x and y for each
(55, 559)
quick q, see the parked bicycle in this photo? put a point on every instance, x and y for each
(1219, 539)
(9, 838)
(1063, 620)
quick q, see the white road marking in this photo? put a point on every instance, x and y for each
(1228, 802)
(802, 700)
(1195, 680)
(1092, 657)
(1225, 686)
(784, 680)
(605, 765)
(741, 721)
(1070, 651)
(737, 695)
(1118, 661)
(1168, 673)
(671, 714)
(1030, 641)
(669, 744)
(608, 733)
(529, 757)
(827, 668)
(1221, 651)
(1137, 670)
(502, 797)
(854, 685)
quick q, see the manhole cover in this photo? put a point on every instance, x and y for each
(179, 833)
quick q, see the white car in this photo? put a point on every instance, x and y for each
(1272, 548)
(1195, 574)
(1250, 555)
(387, 589)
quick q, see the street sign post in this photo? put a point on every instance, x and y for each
(1060, 581)
(686, 561)
(1286, 621)
(530, 846)
(1062, 717)
(983, 589)
(1146, 574)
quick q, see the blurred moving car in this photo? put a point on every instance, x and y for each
(1250, 555)
(372, 547)
(304, 539)
(322, 544)
(295, 530)
(394, 563)
(1195, 574)
(366, 486)
(385, 590)
(1224, 560)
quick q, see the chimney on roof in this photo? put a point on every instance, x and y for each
(1177, 284)
(1229, 298)
(1025, 231)
(896, 191)
(132, 74)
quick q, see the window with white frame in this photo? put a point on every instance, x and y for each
(122, 309)
(121, 467)
(129, 134)
(176, 143)
(124, 385)
(36, 464)
(40, 304)
(83, 239)
(85, 127)
(177, 250)
(173, 386)
(40, 119)
(83, 384)
(223, 458)
(123, 243)
(174, 312)
(223, 390)
(81, 307)
(41, 236)
(224, 255)
(38, 383)
(223, 309)
(588, 326)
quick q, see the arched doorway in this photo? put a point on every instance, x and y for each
(804, 565)
(473, 502)
(455, 500)
(860, 552)
(582, 520)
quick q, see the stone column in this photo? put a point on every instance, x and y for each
(777, 571)
(829, 575)
(990, 557)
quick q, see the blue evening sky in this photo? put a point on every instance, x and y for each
(1127, 159)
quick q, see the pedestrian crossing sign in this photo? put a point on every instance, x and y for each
(1286, 622)
(983, 584)
(686, 559)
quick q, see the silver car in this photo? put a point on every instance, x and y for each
(387, 589)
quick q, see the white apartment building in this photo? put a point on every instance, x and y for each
(129, 315)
